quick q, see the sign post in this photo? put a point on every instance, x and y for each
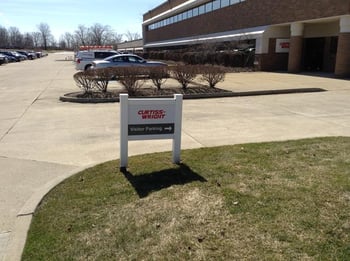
(149, 119)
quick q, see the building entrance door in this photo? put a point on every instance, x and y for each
(319, 54)
(313, 54)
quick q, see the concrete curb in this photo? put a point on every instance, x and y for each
(18, 236)
(69, 97)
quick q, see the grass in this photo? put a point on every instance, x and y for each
(268, 201)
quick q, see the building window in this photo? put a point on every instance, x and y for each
(189, 13)
(209, 7)
(225, 3)
(206, 8)
(195, 11)
(216, 4)
(201, 9)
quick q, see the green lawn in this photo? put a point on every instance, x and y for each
(268, 201)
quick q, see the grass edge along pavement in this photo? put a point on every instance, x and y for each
(268, 201)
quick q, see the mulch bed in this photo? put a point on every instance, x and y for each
(196, 90)
(192, 92)
(150, 92)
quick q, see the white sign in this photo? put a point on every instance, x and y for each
(148, 119)
(282, 45)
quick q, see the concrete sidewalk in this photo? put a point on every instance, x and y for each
(43, 140)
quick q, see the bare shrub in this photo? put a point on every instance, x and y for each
(158, 75)
(85, 81)
(101, 78)
(184, 74)
(132, 78)
(212, 74)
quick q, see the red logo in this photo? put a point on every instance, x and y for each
(284, 45)
(151, 114)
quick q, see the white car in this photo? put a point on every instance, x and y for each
(84, 59)
(124, 60)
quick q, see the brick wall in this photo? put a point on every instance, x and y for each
(250, 13)
(343, 56)
(272, 61)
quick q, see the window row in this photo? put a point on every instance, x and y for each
(205, 8)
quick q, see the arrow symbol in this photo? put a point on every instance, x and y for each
(168, 128)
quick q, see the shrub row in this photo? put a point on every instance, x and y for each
(132, 78)
(223, 58)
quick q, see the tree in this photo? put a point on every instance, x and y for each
(132, 36)
(62, 43)
(28, 41)
(100, 34)
(117, 38)
(15, 37)
(67, 41)
(4, 37)
(81, 35)
(36, 39)
(45, 32)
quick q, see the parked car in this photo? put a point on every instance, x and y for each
(124, 60)
(30, 55)
(17, 56)
(40, 54)
(84, 59)
(3, 59)
(10, 59)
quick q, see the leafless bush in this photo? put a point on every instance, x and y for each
(132, 78)
(184, 74)
(85, 81)
(101, 78)
(158, 75)
(212, 74)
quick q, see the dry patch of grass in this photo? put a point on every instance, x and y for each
(269, 201)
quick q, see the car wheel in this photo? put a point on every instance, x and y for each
(88, 67)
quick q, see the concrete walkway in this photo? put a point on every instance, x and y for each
(43, 140)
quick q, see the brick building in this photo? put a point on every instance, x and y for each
(293, 35)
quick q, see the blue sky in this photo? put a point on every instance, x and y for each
(65, 15)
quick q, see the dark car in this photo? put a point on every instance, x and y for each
(10, 59)
(17, 56)
(3, 59)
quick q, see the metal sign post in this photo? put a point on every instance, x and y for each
(149, 119)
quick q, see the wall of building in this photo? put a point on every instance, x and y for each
(318, 31)
(250, 13)
(167, 5)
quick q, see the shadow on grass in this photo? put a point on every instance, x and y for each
(155, 181)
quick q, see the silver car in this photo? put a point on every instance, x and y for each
(124, 60)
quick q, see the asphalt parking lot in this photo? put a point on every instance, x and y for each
(44, 140)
